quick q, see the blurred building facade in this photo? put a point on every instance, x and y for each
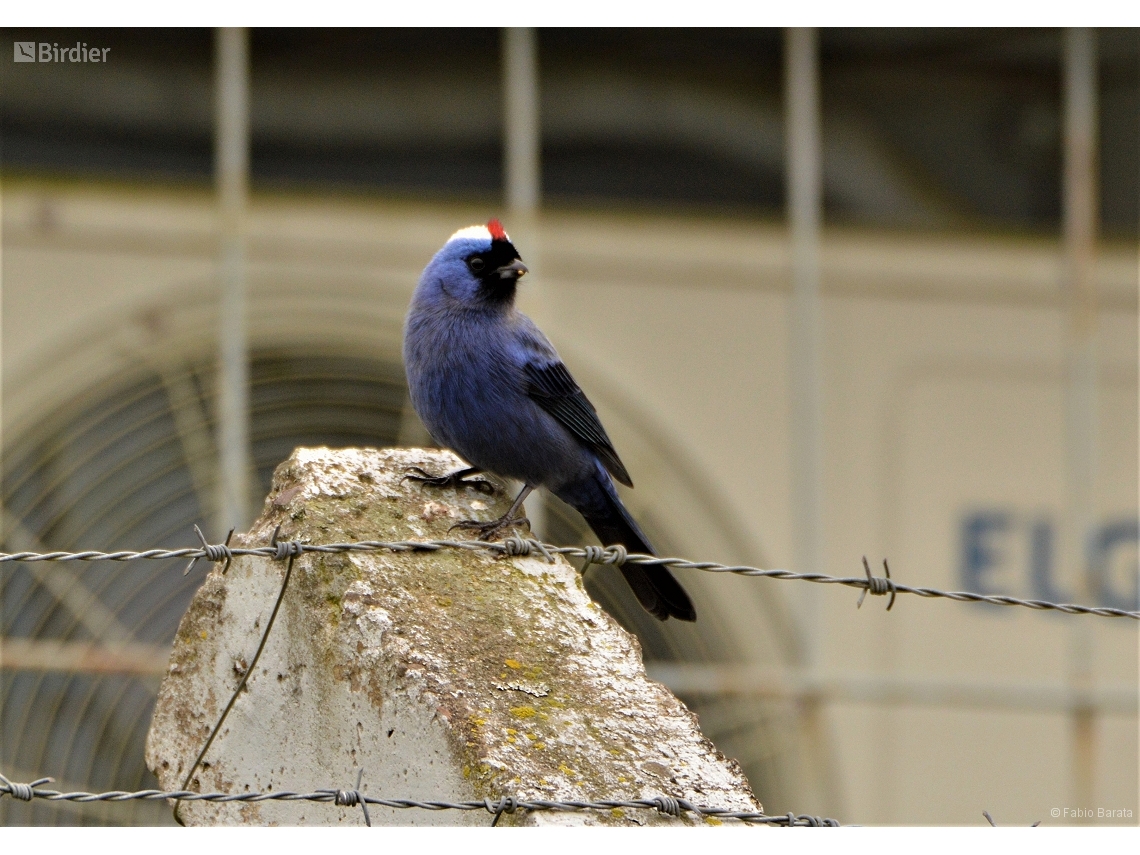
(663, 274)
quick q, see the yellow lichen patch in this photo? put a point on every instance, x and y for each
(523, 712)
(513, 664)
(511, 740)
(511, 731)
(540, 745)
(203, 634)
(466, 771)
(443, 601)
(566, 770)
(712, 820)
(530, 736)
(479, 722)
(617, 812)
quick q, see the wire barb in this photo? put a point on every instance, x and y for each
(505, 804)
(516, 545)
(23, 792)
(211, 552)
(615, 555)
(285, 548)
(878, 585)
(351, 798)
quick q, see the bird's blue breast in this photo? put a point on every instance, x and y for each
(466, 382)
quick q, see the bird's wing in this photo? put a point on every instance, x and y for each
(550, 385)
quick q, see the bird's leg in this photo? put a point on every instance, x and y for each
(490, 530)
(455, 479)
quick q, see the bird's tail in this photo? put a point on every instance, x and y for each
(655, 587)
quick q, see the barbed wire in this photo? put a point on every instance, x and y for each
(668, 805)
(607, 555)
(288, 551)
(513, 546)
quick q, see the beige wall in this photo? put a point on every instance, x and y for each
(944, 382)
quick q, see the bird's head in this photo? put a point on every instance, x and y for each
(477, 266)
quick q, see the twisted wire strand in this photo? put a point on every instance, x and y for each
(611, 555)
(283, 551)
(667, 805)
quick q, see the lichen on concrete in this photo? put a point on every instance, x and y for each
(448, 675)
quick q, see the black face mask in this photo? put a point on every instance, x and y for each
(499, 267)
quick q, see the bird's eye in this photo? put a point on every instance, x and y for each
(476, 264)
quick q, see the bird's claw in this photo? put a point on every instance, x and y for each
(489, 530)
(456, 480)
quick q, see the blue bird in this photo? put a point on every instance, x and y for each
(488, 384)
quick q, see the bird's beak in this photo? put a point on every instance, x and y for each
(515, 270)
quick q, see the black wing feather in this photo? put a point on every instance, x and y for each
(553, 389)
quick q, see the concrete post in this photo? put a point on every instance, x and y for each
(448, 675)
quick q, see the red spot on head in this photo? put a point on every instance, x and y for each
(496, 230)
